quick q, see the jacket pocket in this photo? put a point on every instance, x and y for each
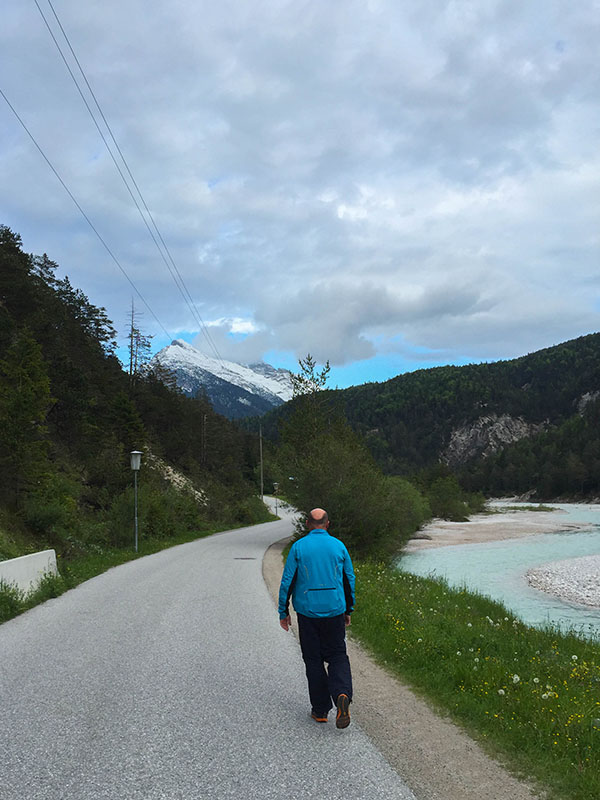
(323, 601)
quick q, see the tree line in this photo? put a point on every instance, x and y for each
(70, 415)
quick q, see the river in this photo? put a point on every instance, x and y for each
(497, 569)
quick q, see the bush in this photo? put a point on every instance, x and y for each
(251, 511)
(51, 512)
(49, 586)
(11, 601)
(446, 501)
(369, 512)
(162, 514)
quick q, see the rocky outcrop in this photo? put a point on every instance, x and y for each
(176, 478)
(485, 436)
(585, 400)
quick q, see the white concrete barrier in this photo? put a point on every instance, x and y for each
(27, 571)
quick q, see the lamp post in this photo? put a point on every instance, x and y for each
(275, 488)
(262, 484)
(136, 460)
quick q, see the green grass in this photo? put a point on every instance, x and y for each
(531, 696)
(82, 568)
(504, 509)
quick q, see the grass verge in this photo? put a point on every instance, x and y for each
(77, 570)
(531, 696)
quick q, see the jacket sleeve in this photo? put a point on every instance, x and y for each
(349, 583)
(288, 579)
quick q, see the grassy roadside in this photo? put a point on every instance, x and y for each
(77, 570)
(530, 696)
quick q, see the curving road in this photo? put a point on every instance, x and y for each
(169, 677)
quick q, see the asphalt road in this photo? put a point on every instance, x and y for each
(169, 677)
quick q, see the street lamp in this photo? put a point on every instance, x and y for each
(136, 460)
(275, 488)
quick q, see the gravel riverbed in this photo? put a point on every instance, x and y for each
(576, 580)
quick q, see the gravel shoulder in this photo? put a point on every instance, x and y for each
(437, 759)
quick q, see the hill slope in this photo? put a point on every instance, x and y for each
(455, 414)
(70, 415)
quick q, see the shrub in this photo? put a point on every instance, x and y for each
(11, 601)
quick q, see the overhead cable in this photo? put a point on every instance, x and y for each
(84, 215)
(170, 263)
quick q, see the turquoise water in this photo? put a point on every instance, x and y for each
(497, 569)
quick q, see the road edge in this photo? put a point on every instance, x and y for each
(436, 758)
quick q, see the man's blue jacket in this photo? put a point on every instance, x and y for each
(318, 576)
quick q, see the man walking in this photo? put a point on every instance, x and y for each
(319, 577)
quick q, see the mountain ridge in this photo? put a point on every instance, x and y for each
(234, 390)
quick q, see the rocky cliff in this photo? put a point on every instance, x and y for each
(485, 436)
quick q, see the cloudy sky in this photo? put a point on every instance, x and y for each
(384, 184)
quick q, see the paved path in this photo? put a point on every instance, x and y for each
(169, 677)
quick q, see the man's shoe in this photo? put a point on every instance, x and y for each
(342, 719)
(319, 716)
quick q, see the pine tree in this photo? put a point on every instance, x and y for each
(24, 404)
(139, 346)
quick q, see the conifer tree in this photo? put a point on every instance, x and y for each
(24, 403)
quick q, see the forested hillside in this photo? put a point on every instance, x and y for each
(70, 415)
(548, 400)
(409, 420)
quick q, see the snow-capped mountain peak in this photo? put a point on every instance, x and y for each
(259, 386)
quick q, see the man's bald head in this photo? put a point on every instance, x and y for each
(317, 518)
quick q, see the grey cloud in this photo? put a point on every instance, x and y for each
(421, 169)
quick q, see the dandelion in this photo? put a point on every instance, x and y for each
(469, 625)
(419, 640)
(573, 658)
(501, 692)
(544, 696)
(476, 660)
(536, 680)
(516, 679)
(458, 653)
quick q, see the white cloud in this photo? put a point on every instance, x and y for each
(332, 177)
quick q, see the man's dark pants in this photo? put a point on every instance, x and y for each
(323, 640)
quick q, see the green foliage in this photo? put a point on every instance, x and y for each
(446, 498)
(163, 513)
(408, 419)
(11, 601)
(411, 506)
(250, 511)
(70, 415)
(331, 468)
(563, 461)
(24, 403)
(532, 694)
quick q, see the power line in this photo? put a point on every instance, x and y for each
(172, 266)
(84, 215)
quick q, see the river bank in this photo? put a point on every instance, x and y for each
(496, 526)
(574, 580)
